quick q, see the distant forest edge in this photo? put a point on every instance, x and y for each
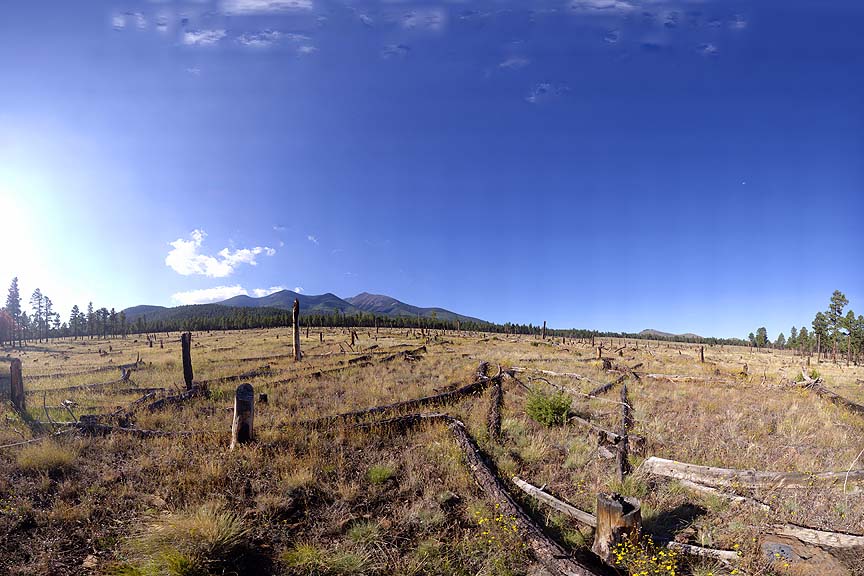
(832, 330)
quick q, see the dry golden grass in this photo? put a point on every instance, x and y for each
(349, 502)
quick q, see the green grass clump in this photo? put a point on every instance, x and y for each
(380, 473)
(46, 457)
(548, 409)
(205, 540)
(309, 559)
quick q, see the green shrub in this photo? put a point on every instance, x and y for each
(548, 409)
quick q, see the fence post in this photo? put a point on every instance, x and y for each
(16, 390)
(244, 415)
(186, 346)
(296, 321)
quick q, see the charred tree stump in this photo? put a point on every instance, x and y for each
(619, 519)
(702, 354)
(186, 345)
(16, 388)
(296, 324)
(600, 352)
(244, 415)
(544, 329)
(321, 337)
(352, 339)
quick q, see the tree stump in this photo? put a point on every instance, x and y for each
(619, 520)
(296, 323)
(544, 329)
(244, 415)
(262, 398)
(702, 354)
(16, 386)
(321, 337)
(186, 346)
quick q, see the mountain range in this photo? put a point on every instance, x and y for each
(324, 304)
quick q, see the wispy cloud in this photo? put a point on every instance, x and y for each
(185, 258)
(395, 51)
(298, 289)
(312, 239)
(279, 228)
(546, 91)
(261, 39)
(265, 6)
(203, 37)
(602, 5)
(708, 49)
(306, 50)
(432, 18)
(207, 295)
(118, 22)
(738, 23)
(259, 292)
(366, 20)
(337, 250)
(514, 63)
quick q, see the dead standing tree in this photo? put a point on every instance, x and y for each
(296, 323)
(16, 389)
(186, 345)
(244, 415)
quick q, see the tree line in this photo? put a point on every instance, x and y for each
(831, 333)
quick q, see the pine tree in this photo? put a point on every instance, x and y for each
(13, 307)
(37, 302)
(91, 320)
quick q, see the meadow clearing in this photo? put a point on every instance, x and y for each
(344, 497)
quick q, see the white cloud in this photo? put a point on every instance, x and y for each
(312, 239)
(545, 91)
(515, 63)
(207, 295)
(366, 20)
(203, 37)
(261, 39)
(264, 6)
(738, 23)
(307, 49)
(259, 292)
(185, 259)
(708, 49)
(298, 289)
(395, 50)
(118, 22)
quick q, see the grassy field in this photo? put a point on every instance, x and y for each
(339, 500)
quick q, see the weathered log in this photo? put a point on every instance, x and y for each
(186, 351)
(817, 387)
(729, 477)
(404, 354)
(195, 392)
(263, 371)
(16, 385)
(547, 551)
(552, 502)
(619, 520)
(295, 319)
(636, 444)
(242, 429)
(693, 550)
(448, 397)
(733, 497)
(494, 417)
(607, 387)
(622, 460)
(818, 537)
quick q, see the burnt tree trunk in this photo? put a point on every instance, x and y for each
(544, 329)
(296, 324)
(619, 520)
(702, 354)
(186, 346)
(16, 388)
(244, 415)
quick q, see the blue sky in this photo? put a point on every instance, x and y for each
(611, 164)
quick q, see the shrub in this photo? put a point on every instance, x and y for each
(46, 457)
(548, 409)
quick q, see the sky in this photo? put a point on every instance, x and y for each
(682, 165)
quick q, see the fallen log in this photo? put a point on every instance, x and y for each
(552, 502)
(730, 478)
(573, 375)
(263, 371)
(407, 354)
(591, 520)
(493, 419)
(817, 387)
(607, 387)
(79, 387)
(634, 443)
(448, 397)
(194, 392)
(817, 537)
(733, 497)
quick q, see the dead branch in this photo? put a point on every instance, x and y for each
(194, 392)
(733, 497)
(635, 443)
(817, 387)
(607, 387)
(817, 537)
(552, 502)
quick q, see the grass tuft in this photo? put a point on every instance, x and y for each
(46, 457)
